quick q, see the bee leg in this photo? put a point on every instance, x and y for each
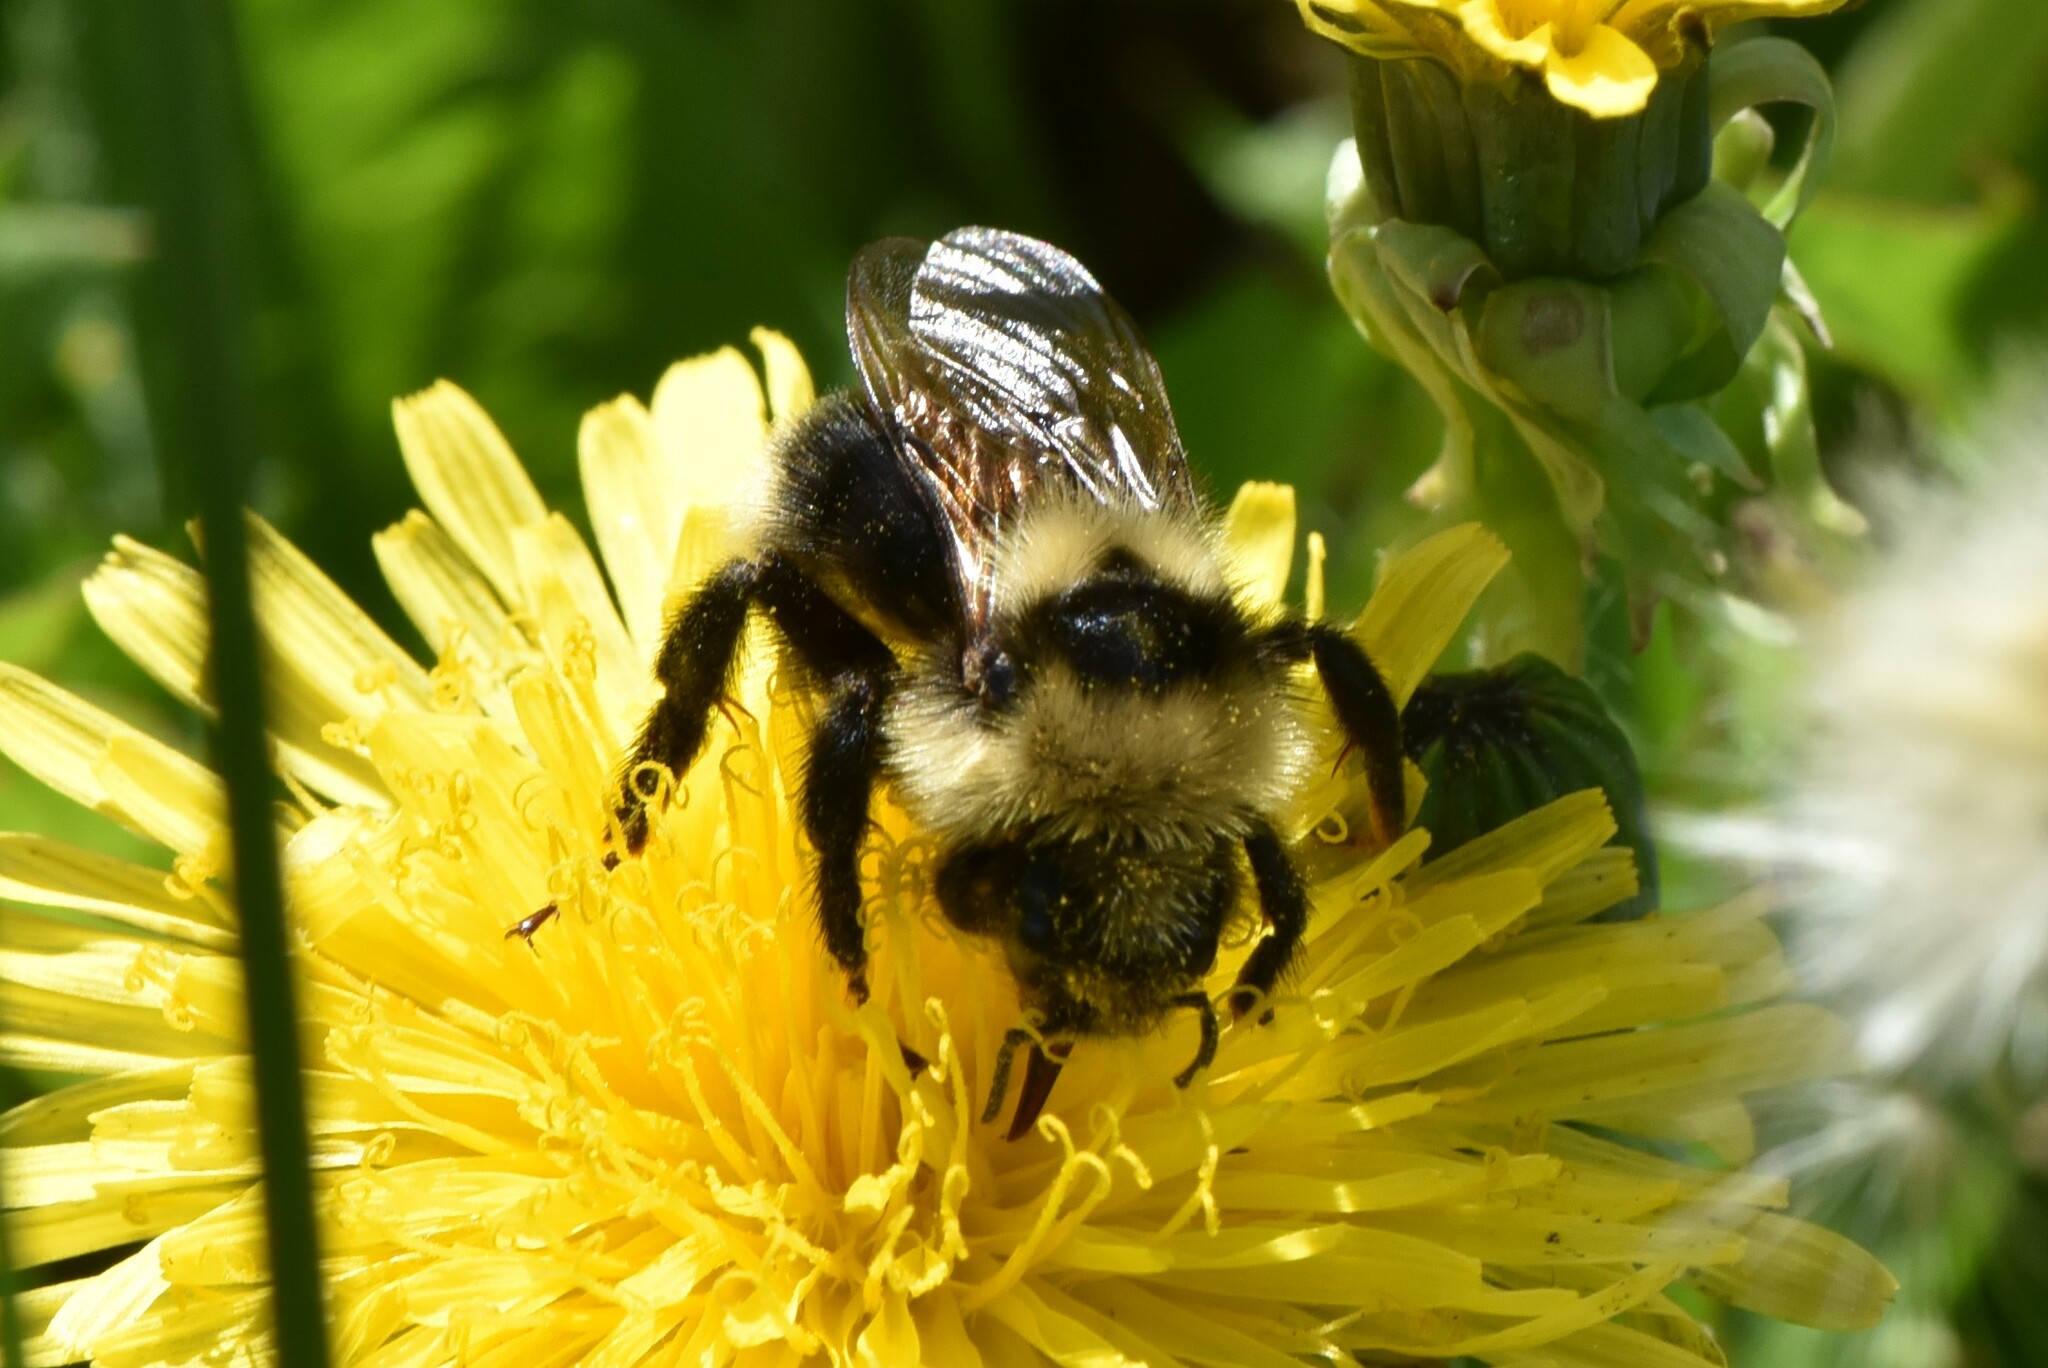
(845, 754)
(854, 670)
(1284, 903)
(999, 1082)
(698, 650)
(1205, 1053)
(1365, 709)
(695, 665)
(1041, 1071)
(1371, 720)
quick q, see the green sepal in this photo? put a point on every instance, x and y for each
(1659, 317)
(1777, 71)
(1743, 148)
(1721, 246)
(1545, 189)
(1434, 263)
(1527, 167)
(1497, 744)
(1622, 377)
(1690, 430)
(1554, 340)
(1540, 353)
(1598, 381)
(1768, 414)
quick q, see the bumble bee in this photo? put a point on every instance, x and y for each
(994, 574)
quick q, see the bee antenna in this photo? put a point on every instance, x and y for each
(1205, 1053)
(1015, 1037)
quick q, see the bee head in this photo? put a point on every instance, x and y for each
(1099, 934)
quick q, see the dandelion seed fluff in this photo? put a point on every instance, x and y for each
(1926, 778)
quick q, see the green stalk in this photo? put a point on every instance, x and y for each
(10, 1315)
(211, 445)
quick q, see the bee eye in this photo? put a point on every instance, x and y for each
(1035, 929)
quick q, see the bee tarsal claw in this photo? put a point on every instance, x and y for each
(1041, 1071)
(1205, 1053)
(1245, 999)
(999, 1081)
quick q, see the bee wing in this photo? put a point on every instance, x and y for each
(1031, 351)
(1005, 370)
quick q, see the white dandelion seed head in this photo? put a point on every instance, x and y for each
(1921, 801)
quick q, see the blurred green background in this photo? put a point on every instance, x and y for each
(547, 202)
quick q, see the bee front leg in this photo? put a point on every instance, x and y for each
(1205, 1053)
(694, 668)
(1283, 900)
(698, 650)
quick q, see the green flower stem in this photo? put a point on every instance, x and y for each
(1580, 296)
(1536, 604)
(210, 442)
(10, 1314)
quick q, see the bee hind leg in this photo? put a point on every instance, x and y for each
(1365, 709)
(1371, 720)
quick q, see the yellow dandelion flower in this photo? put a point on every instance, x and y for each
(1601, 56)
(662, 1134)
